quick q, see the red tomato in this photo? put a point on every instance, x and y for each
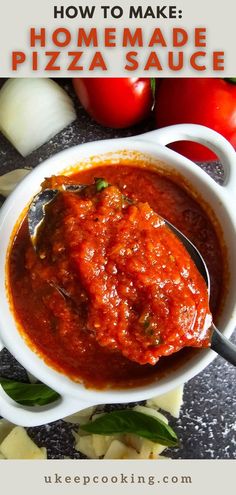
(115, 102)
(210, 102)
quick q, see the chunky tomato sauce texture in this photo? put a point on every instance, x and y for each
(131, 293)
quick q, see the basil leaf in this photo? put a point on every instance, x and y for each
(231, 79)
(101, 184)
(29, 394)
(128, 421)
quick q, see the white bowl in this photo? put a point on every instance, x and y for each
(221, 199)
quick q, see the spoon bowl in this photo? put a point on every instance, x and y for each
(36, 214)
(220, 344)
(37, 209)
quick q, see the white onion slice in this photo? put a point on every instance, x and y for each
(32, 111)
(9, 181)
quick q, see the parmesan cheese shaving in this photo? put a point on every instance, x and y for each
(18, 445)
(170, 402)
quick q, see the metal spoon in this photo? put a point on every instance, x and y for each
(38, 206)
(220, 344)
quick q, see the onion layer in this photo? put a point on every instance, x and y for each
(32, 111)
(9, 181)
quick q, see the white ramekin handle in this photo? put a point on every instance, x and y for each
(202, 135)
(38, 415)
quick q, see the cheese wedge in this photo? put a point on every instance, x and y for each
(18, 445)
(150, 450)
(85, 446)
(101, 443)
(146, 448)
(5, 428)
(170, 402)
(118, 450)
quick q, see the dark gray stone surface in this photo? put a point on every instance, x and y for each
(207, 425)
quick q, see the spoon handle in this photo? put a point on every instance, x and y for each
(223, 346)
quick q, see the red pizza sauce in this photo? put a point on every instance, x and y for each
(132, 293)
